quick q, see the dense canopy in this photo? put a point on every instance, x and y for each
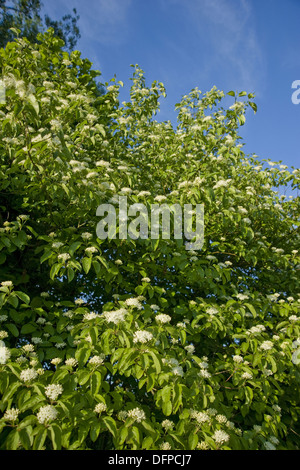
(140, 343)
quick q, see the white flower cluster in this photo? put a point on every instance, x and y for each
(115, 316)
(28, 375)
(167, 424)
(96, 360)
(132, 302)
(4, 353)
(256, 329)
(266, 345)
(46, 413)
(142, 336)
(199, 416)
(163, 318)
(220, 437)
(53, 391)
(90, 316)
(137, 414)
(12, 414)
(100, 407)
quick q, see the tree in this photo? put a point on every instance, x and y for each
(139, 343)
(25, 16)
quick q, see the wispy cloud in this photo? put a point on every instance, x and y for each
(101, 21)
(233, 38)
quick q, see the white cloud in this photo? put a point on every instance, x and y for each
(232, 35)
(102, 21)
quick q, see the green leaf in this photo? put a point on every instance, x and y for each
(86, 264)
(23, 296)
(55, 435)
(156, 361)
(111, 425)
(26, 437)
(40, 438)
(95, 382)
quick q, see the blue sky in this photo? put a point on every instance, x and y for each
(251, 45)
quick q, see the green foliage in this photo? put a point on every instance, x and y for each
(86, 360)
(23, 17)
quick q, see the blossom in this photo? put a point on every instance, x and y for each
(64, 257)
(178, 370)
(133, 303)
(221, 419)
(28, 375)
(220, 437)
(96, 360)
(142, 336)
(190, 348)
(167, 424)
(12, 414)
(237, 359)
(100, 407)
(90, 316)
(266, 345)
(137, 414)
(165, 446)
(52, 391)
(86, 235)
(163, 318)
(6, 284)
(247, 375)
(71, 362)
(115, 316)
(46, 413)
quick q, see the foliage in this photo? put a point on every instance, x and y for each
(25, 16)
(218, 366)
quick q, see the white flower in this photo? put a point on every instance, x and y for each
(28, 374)
(100, 407)
(90, 316)
(46, 413)
(91, 249)
(133, 303)
(146, 279)
(266, 345)
(178, 370)
(221, 419)
(71, 362)
(220, 437)
(6, 283)
(190, 348)
(160, 198)
(204, 374)
(165, 446)
(167, 424)
(86, 236)
(242, 296)
(115, 316)
(143, 194)
(96, 360)
(247, 375)
(142, 336)
(137, 414)
(237, 359)
(4, 354)
(12, 414)
(64, 257)
(163, 318)
(52, 391)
